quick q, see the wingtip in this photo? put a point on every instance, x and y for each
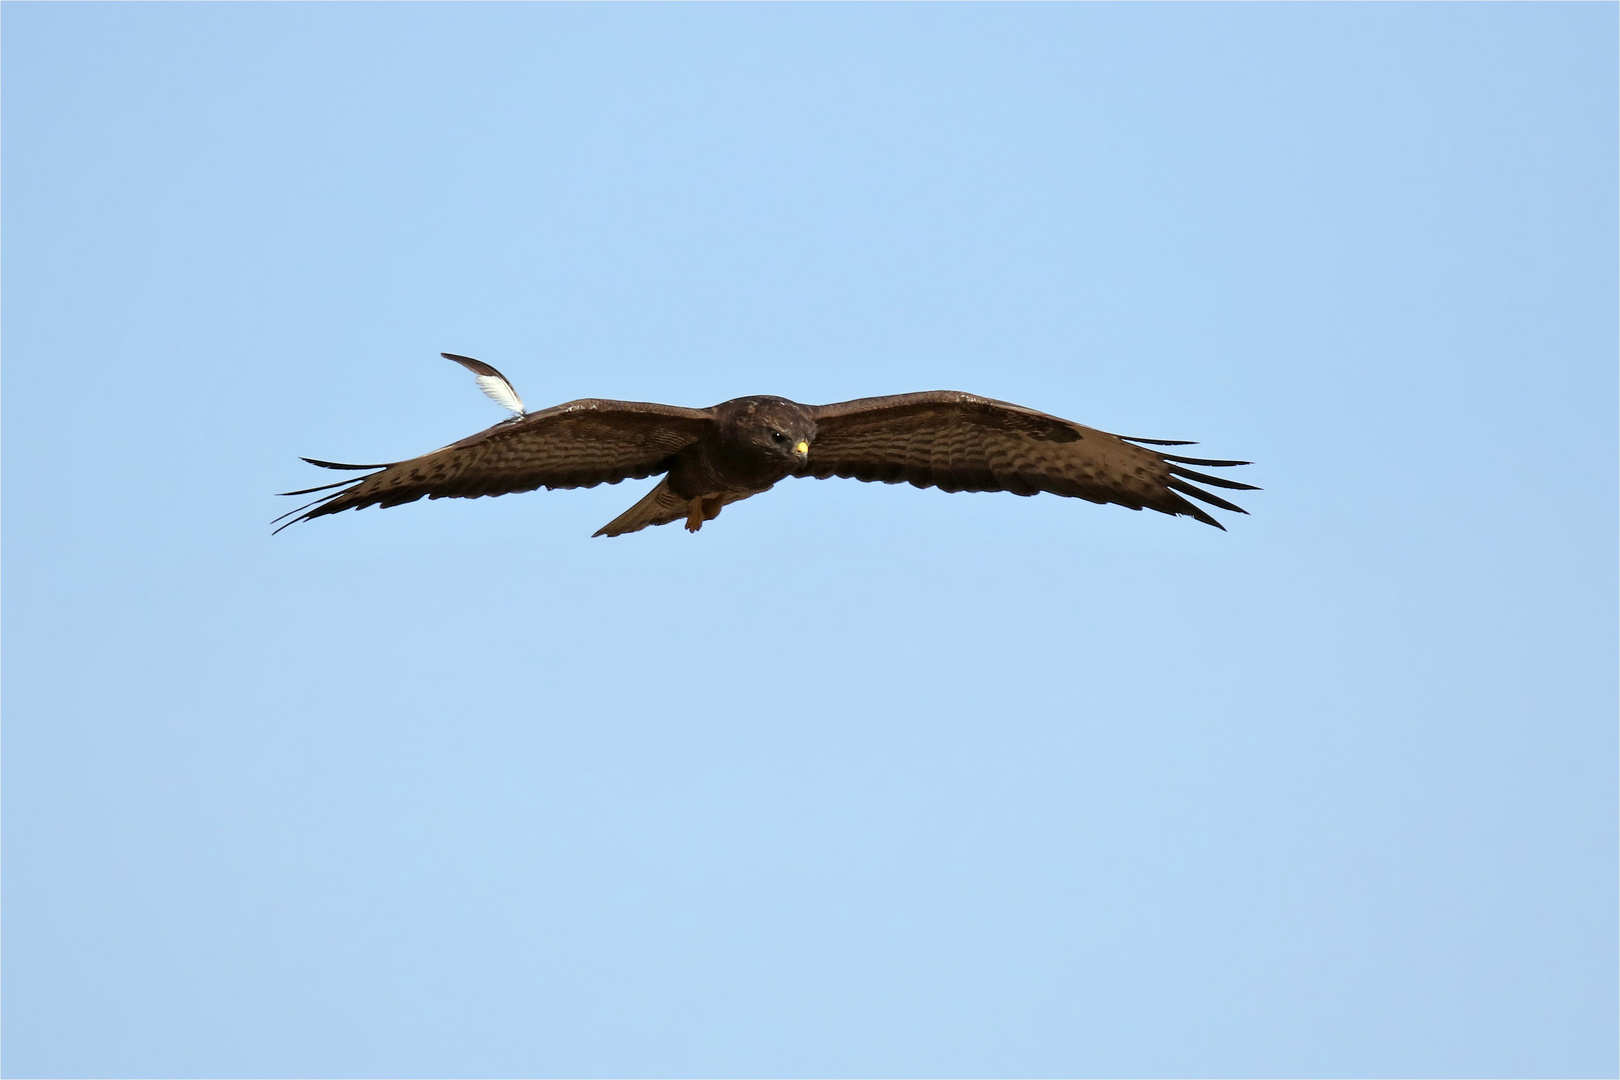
(1205, 478)
(1178, 484)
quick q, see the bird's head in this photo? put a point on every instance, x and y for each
(775, 426)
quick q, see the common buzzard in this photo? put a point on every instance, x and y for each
(712, 457)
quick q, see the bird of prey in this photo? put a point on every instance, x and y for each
(712, 457)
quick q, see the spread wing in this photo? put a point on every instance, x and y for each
(962, 442)
(579, 444)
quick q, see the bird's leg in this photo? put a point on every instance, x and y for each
(701, 509)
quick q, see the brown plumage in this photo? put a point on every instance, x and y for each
(712, 457)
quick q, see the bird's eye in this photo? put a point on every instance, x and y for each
(778, 436)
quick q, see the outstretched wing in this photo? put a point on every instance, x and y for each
(579, 444)
(962, 442)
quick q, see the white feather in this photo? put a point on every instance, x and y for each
(501, 392)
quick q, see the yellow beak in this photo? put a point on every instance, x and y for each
(802, 448)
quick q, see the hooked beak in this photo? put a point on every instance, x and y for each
(803, 449)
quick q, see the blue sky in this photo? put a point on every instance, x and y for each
(861, 780)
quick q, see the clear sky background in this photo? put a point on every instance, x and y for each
(861, 780)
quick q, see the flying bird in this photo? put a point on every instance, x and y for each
(713, 457)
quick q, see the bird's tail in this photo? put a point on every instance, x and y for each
(660, 506)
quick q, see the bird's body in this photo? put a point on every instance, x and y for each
(716, 456)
